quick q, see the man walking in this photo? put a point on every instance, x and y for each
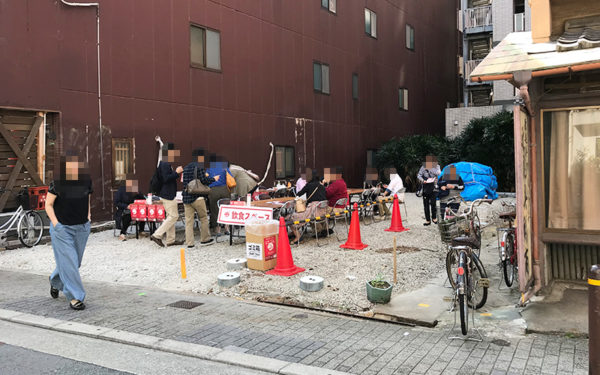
(167, 193)
(196, 202)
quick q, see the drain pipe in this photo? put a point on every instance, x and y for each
(97, 6)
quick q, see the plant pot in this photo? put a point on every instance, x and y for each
(379, 295)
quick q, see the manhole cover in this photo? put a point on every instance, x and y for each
(185, 304)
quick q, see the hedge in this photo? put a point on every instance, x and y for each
(487, 140)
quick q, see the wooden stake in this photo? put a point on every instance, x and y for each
(395, 268)
(183, 272)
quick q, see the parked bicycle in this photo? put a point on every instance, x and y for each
(507, 247)
(462, 233)
(28, 224)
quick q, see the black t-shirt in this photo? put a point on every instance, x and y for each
(71, 204)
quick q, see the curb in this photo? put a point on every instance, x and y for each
(210, 353)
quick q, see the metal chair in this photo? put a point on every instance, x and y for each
(368, 206)
(341, 216)
(316, 220)
(403, 203)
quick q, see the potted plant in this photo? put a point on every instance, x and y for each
(379, 290)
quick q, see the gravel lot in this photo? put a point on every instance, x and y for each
(141, 262)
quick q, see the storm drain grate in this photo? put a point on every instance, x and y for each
(185, 304)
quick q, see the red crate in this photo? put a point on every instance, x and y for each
(37, 197)
(160, 212)
(151, 212)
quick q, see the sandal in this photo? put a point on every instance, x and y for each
(122, 237)
(78, 305)
(53, 292)
(427, 223)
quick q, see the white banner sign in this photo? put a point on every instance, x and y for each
(240, 215)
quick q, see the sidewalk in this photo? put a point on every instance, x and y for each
(286, 334)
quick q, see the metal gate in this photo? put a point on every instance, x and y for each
(572, 262)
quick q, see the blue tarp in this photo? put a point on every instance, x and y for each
(479, 180)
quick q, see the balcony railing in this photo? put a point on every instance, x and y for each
(470, 65)
(477, 17)
(520, 22)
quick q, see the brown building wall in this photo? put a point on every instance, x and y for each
(48, 62)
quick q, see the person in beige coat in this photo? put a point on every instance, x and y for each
(245, 180)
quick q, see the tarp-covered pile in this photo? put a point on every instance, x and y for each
(479, 180)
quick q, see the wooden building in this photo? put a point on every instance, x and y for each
(325, 82)
(556, 68)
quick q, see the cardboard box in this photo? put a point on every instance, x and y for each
(261, 244)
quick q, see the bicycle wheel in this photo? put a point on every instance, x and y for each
(451, 266)
(508, 264)
(30, 228)
(477, 292)
(464, 314)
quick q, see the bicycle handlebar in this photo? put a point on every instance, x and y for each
(473, 204)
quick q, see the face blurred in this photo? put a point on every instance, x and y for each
(172, 155)
(371, 175)
(131, 186)
(452, 175)
(430, 162)
(72, 168)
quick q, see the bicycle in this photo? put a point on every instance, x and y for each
(470, 282)
(507, 247)
(29, 225)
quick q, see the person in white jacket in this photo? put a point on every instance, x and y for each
(394, 187)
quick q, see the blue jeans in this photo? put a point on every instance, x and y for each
(68, 244)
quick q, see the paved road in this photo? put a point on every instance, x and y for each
(30, 350)
(294, 335)
(19, 361)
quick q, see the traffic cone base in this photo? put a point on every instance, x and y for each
(354, 242)
(285, 263)
(396, 225)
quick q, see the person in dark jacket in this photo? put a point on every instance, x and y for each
(195, 202)
(428, 176)
(450, 186)
(168, 177)
(127, 193)
(315, 193)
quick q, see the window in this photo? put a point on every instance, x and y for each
(403, 99)
(410, 37)
(321, 77)
(122, 155)
(284, 162)
(571, 168)
(355, 86)
(330, 5)
(370, 23)
(205, 48)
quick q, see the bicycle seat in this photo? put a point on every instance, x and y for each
(508, 215)
(466, 241)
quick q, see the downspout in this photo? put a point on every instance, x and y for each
(97, 6)
(522, 79)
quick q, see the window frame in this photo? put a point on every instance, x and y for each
(285, 148)
(401, 94)
(196, 65)
(320, 90)
(328, 7)
(412, 37)
(542, 189)
(370, 32)
(131, 142)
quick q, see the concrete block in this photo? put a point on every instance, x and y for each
(81, 329)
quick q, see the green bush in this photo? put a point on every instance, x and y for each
(487, 140)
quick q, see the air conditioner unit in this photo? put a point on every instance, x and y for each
(519, 22)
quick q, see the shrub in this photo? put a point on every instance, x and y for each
(487, 140)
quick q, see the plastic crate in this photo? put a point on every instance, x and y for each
(37, 197)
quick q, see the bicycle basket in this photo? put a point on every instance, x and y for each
(452, 228)
(23, 199)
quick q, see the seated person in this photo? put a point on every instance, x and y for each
(336, 190)
(315, 193)
(450, 185)
(127, 193)
(391, 189)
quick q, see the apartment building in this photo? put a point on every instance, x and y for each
(482, 25)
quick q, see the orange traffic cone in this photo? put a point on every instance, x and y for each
(396, 218)
(354, 242)
(285, 263)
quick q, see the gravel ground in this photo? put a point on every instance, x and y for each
(141, 262)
